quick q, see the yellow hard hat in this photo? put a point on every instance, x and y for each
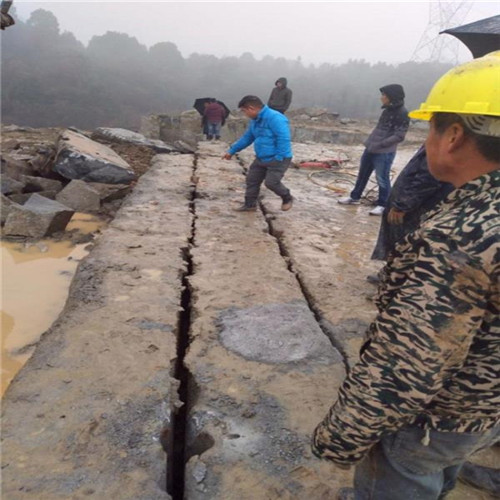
(471, 88)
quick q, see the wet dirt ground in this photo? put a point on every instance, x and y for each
(35, 278)
(275, 309)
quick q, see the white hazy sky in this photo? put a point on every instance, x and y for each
(318, 32)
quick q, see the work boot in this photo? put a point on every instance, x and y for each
(345, 494)
(245, 208)
(287, 204)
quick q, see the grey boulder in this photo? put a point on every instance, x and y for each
(5, 208)
(80, 196)
(10, 186)
(15, 168)
(184, 147)
(35, 184)
(79, 157)
(124, 136)
(37, 218)
(110, 192)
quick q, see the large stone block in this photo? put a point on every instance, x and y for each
(124, 136)
(37, 218)
(35, 184)
(5, 206)
(22, 198)
(15, 168)
(10, 186)
(79, 157)
(80, 196)
(111, 192)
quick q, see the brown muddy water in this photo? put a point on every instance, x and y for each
(35, 281)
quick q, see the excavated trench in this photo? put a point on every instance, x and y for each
(176, 445)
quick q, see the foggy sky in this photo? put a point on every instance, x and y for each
(332, 32)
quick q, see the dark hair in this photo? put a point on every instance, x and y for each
(488, 146)
(250, 100)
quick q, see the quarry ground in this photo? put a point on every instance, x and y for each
(192, 330)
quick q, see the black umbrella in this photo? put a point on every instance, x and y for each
(480, 37)
(199, 105)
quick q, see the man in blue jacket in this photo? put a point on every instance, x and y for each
(269, 132)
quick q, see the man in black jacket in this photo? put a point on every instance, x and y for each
(414, 193)
(281, 96)
(381, 147)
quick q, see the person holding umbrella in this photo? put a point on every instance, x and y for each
(213, 113)
(269, 132)
(213, 116)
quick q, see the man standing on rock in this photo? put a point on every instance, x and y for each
(281, 96)
(269, 131)
(424, 395)
(380, 148)
(213, 117)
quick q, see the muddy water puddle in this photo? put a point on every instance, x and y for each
(35, 281)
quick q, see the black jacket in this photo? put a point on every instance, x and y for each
(280, 99)
(392, 124)
(415, 192)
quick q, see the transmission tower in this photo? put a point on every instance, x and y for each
(441, 48)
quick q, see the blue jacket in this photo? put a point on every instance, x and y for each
(270, 133)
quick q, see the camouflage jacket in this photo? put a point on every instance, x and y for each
(432, 355)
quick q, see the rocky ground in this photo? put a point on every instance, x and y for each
(255, 317)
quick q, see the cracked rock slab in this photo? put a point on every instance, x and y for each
(86, 415)
(258, 359)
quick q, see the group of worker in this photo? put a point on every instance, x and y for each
(425, 394)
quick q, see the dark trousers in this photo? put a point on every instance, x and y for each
(271, 173)
(381, 163)
(402, 467)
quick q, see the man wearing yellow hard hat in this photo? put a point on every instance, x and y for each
(425, 395)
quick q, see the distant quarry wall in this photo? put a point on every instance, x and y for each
(307, 125)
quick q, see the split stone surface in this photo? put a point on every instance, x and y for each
(37, 218)
(79, 157)
(80, 196)
(83, 418)
(330, 244)
(262, 371)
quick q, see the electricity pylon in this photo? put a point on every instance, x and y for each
(441, 48)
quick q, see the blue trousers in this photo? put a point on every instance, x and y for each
(213, 129)
(381, 163)
(401, 467)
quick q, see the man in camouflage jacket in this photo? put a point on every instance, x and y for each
(425, 393)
